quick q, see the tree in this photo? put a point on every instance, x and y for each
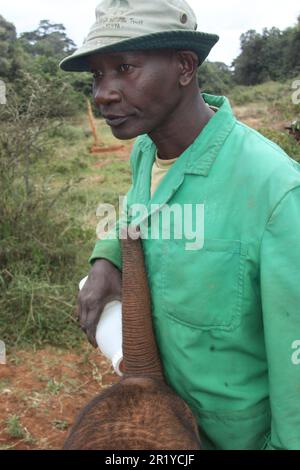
(49, 39)
(215, 77)
(272, 55)
(293, 56)
(10, 52)
(249, 67)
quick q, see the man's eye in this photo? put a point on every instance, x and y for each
(125, 68)
(97, 74)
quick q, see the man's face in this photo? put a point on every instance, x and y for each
(136, 92)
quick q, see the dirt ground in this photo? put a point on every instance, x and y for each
(41, 393)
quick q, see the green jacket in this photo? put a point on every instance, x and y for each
(227, 316)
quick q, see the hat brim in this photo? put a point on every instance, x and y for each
(200, 43)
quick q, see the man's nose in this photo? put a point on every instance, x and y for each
(106, 92)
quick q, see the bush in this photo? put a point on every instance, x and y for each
(74, 87)
(39, 245)
(287, 142)
(276, 96)
(215, 78)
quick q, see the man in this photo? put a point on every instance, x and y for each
(225, 313)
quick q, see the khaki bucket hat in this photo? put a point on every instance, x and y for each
(132, 25)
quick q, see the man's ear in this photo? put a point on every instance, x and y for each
(188, 64)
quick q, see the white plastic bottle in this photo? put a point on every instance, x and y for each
(109, 332)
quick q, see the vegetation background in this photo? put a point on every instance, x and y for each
(51, 186)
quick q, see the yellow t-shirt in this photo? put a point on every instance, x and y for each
(159, 169)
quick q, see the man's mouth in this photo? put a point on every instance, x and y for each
(115, 121)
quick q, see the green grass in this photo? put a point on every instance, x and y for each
(4, 383)
(60, 424)
(269, 108)
(53, 387)
(14, 427)
(273, 98)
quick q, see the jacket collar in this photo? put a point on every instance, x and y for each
(200, 156)
(205, 149)
(197, 159)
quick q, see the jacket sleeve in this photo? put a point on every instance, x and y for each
(280, 291)
(109, 247)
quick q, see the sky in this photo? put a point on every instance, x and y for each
(227, 18)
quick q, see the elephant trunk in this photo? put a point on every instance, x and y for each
(140, 351)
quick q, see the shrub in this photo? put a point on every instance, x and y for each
(39, 245)
(287, 142)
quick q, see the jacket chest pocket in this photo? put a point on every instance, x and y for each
(204, 288)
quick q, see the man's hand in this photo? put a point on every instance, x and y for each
(103, 285)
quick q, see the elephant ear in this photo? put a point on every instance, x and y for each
(140, 351)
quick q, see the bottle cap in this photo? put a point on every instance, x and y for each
(82, 282)
(117, 361)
